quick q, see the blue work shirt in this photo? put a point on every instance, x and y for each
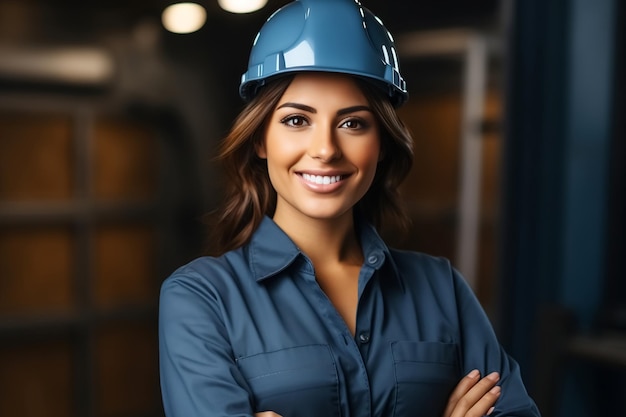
(252, 331)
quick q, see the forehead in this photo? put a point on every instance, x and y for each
(325, 88)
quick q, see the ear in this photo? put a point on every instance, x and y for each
(259, 148)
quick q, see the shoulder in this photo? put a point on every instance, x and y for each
(209, 273)
(418, 269)
(418, 262)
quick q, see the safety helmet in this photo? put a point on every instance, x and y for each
(324, 35)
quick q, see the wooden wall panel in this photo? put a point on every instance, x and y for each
(124, 266)
(125, 161)
(127, 379)
(36, 270)
(85, 270)
(36, 379)
(431, 189)
(36, 157)
(434, 121)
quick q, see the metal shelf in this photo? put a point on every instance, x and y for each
(44, 325)
(59, 212)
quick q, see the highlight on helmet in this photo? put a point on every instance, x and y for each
(324, 35)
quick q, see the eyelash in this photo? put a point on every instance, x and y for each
(362, 124)
(288, 121)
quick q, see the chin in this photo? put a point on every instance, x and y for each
(327, 214)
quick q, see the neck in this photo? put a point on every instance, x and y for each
(333, 240)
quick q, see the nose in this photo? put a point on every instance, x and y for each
(323, 145)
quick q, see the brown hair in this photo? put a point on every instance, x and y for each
(249, 192)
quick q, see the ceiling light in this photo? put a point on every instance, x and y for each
(241, 6)
(183, 17)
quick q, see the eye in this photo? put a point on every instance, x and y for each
(294, 120)
(354, 124)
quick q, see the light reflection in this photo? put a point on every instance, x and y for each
(241, 6)
(183, 17)
(86, 66)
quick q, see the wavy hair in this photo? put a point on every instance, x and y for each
(249, 194)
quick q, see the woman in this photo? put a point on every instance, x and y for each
(306, 311)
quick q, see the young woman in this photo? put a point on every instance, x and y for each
(306, 311)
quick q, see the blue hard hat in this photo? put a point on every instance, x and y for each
(324, 35)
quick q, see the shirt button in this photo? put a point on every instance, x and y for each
(372, 259)
(364, 337)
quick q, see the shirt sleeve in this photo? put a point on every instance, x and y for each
(199, 376)
(481, 350)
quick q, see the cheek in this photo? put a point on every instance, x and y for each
(367, 157)
(282, 145)
(280, 154)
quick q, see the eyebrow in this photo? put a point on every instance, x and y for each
(310, 109)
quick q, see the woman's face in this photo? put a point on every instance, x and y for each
(322, 147)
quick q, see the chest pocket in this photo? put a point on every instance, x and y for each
(426, 373)
(295, 382)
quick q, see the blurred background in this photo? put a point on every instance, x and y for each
(108, 129)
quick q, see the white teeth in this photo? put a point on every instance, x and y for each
(322, 179)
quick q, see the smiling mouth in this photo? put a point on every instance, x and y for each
(322, 179)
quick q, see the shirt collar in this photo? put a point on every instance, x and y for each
(271, 250)
(375, 251)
